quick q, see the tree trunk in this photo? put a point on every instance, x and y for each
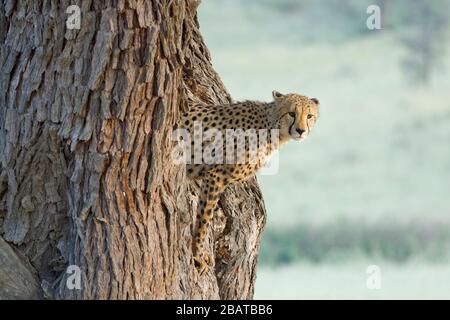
(86, 118)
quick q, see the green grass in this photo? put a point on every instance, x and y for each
(373, 179)
(344, 240)
(415, 280)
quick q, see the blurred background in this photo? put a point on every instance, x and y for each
(371, 185)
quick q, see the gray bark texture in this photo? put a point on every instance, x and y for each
(86, 177)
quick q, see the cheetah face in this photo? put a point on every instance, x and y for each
(297, 115)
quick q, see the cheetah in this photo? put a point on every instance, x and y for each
(289, 116)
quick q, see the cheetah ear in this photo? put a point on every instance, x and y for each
(276, 94)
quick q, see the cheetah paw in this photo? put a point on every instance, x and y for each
(203, 263)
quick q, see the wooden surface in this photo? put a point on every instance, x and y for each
(86, 118)
(16, 280)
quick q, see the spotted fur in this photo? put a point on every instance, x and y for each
(292, 114)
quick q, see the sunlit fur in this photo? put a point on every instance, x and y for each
(295, 112)
(287, 113)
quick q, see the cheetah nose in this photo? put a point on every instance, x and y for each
(300, 131)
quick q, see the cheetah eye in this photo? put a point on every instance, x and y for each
(310, 116)
(292, 114)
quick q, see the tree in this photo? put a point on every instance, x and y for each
(86, 181)
(425, 40)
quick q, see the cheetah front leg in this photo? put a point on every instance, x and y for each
(211, 191)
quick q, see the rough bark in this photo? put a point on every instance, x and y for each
(86, 118)
(16, 279)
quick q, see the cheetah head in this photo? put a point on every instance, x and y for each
(297, 115)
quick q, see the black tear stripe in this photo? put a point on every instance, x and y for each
(307, 122)
(290, 127)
